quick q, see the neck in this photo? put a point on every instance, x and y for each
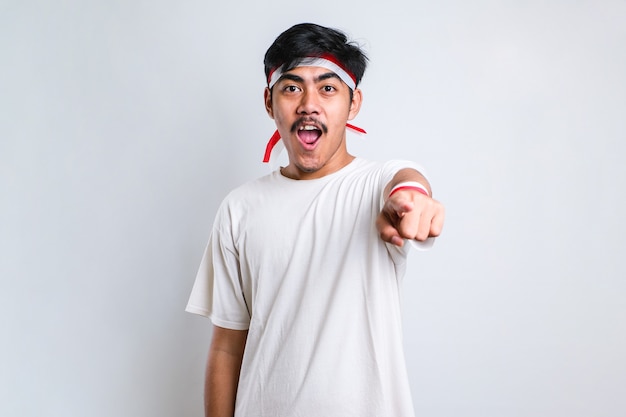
(294, 172)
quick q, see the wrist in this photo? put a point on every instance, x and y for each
(409, 185)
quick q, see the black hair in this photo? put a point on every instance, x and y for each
(307, 40)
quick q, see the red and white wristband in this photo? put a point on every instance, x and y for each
(409, 185)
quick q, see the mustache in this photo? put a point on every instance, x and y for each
(310, 120)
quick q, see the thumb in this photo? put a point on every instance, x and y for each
(388, 231)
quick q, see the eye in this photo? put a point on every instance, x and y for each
(329, 89)
(291, 88)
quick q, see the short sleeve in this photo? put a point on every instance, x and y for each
(217, 291)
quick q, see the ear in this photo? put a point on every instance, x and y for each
(355, 104)
(267, 96)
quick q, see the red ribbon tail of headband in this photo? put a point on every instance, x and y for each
(270, 145)
(276, 137)
(355, 128)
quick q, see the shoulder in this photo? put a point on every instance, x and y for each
(252, 187)
(395, 165)
(384, 171)
(390, 165)
(251, 192)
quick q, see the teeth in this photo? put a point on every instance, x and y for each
(308, 128)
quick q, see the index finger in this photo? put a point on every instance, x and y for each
(399, 205)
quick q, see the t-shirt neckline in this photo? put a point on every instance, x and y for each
(348, 167)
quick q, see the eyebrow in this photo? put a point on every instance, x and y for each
(320, 78)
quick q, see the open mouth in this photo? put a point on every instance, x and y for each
(309, 134)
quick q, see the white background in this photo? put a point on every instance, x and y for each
(124, 123)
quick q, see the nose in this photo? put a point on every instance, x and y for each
(309, 103)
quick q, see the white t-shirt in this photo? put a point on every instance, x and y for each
(301, 266)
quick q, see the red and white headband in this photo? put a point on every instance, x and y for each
(325, 61)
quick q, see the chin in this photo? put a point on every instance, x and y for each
(306, 163)
(309, 169)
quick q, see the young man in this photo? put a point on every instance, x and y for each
(301, 276)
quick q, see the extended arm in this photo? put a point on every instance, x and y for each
(409, 214)
(222, 372)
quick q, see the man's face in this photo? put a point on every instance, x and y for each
(311, 106)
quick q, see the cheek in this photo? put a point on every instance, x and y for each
(280, 120)
(280, 111)
(340, 114)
